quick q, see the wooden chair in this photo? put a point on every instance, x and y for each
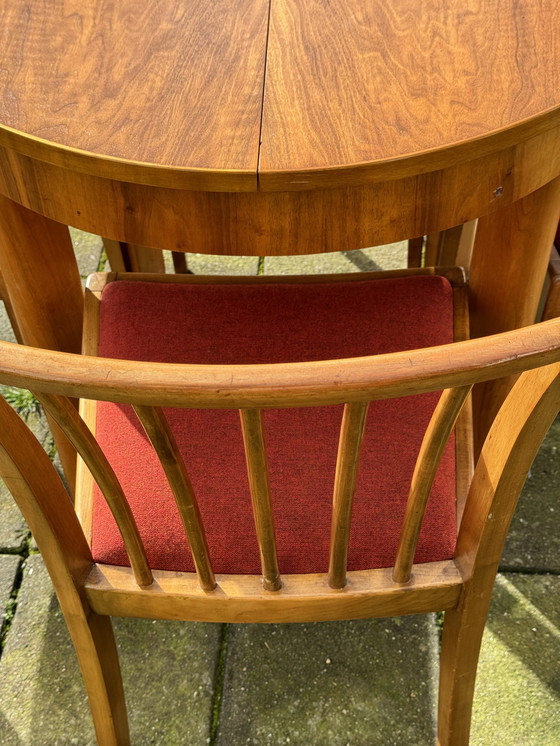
(299, 382)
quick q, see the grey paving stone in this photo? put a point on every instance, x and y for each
(372, 259)
(87, 248)
(517, 701)
(213, 264)
(363, 683)
(6, 331)
(534, 539)
(13, 529)
(210, 264)
(168, 670)
(9, 564)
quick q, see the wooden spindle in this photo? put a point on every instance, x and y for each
(65, 414)
(433, 444)
(257, 471)
(350, 442)
(162, 439)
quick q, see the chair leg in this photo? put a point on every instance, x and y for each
(415, 246)
(462, 636)
(96, 650)
(551, 308)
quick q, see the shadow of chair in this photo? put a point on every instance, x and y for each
(285, 457)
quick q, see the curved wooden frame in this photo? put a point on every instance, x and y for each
(286, 385)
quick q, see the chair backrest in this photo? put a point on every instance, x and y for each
(56, 378)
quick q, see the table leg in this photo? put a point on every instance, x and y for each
(508, 267)
(44, 290)
(127, 257)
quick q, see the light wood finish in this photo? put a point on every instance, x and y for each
(271, 128)
(511, 251)
(376, 377)
(140, 90)
(49, 514)
(161, 437)
(506, 457)
(348, 458)
(43, 290)
(302, 598)
(432, 448)
(257, 471)
(64, 413)
(347, 85)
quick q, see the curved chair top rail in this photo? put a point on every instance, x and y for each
(282, 385)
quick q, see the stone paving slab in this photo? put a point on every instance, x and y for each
(88, 249)
(391, 256)
(9, 564)
(168, 671)
(6, 331)
(209, 264)
(517, 701)
(361, 683)
(13, 529)
(534, 539)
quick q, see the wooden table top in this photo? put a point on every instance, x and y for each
(274, 94)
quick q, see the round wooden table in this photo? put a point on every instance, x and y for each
(266, 127)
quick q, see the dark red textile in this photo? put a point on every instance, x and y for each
(221, 324)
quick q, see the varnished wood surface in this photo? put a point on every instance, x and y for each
(290, 384)
(354, 82)
(177, 85)
(303, 598)
(171, 93)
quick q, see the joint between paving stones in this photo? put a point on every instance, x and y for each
(9, 613)
(219, 676)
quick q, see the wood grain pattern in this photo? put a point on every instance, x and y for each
(257, 471)
(433, 444)
(303, 598)
(507, 455)
(511, 251)
(353, 82)
(67, 418)
(347, 462)
(303, 221)
(49, 513)
(293, 384)
(162, 439)
(173, 84)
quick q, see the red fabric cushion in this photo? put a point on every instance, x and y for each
(222, 324)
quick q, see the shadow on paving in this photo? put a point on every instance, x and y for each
(526, 618)
(533, 542)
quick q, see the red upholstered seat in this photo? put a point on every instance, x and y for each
(227, 323)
